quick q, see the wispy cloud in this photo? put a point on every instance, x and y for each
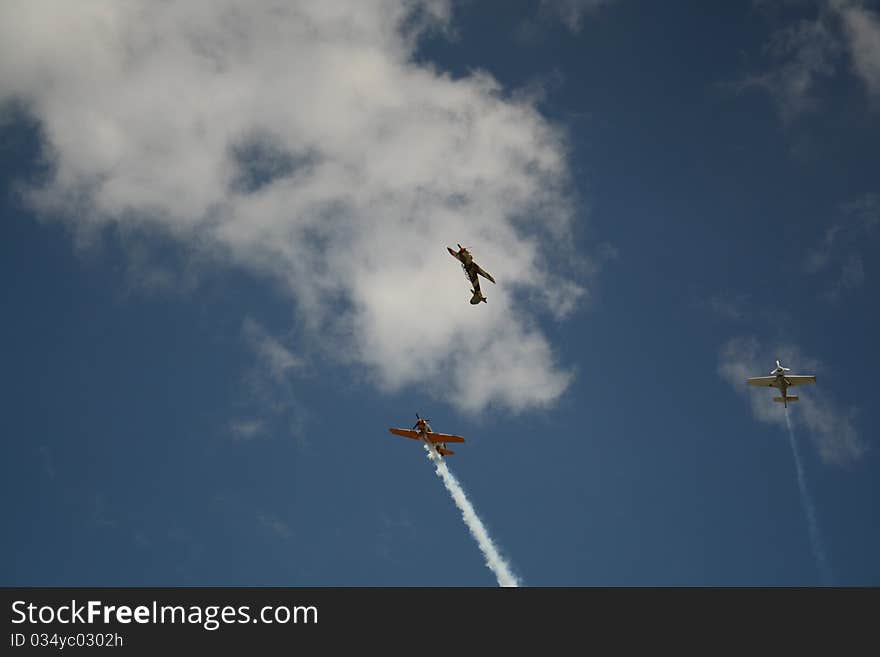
(274, 356)
(840, 35)
(247, 429)
(838, 255)
(802, 54)
(275, 525)
(740, 307)
(730, 306)
(831, 426)
(141, 539)
(533, 29)
(270, 404)
(390, 530)
(572, 12)
(862, 31)
(304, 141)
(99, 512)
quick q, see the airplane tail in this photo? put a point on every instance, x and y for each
(477, 298)
(786, 399)
(444, 451)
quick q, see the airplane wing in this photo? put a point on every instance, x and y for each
(453, 254)
(406, 433)
(762, 381)
(482, 272)
(444, 438)
(799, 380)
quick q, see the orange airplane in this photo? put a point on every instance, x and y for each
(422, 431)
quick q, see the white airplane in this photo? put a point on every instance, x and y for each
(781, 380)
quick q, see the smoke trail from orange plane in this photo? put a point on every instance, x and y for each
(809, 511)
(494, 561)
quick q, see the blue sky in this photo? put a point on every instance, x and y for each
(223, 247)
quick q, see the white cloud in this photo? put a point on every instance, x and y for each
(862, 30)
(865, 211)
(572, 12)
(275, 525)
(804, 52)
(730, 306)
(247, 429)
(831, 426)
(852, 274)
(99, 512)
(838, 255)
(275, 357)
(269, 405)
(811, 49)
(301, 140)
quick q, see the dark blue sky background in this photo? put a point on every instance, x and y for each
(119, 467)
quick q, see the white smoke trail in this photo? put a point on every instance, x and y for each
(809, 511)
(493, 559)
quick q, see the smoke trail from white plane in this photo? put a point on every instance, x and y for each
(809, 511)
(493, 559)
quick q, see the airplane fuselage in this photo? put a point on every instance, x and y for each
(436, 449)
(782, 383)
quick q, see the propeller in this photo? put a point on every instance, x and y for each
(780, 367)
(419, 417)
